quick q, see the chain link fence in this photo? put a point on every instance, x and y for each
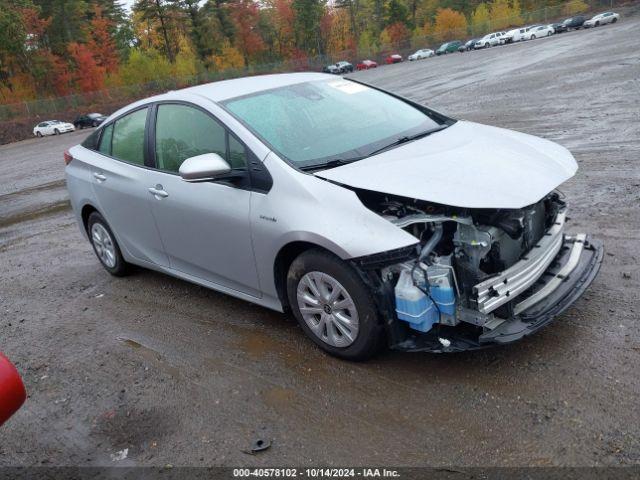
(124, 94)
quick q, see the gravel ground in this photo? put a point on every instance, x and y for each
(182, 375)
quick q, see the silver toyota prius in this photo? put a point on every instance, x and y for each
(375, 220)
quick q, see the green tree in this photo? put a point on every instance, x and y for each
(396, 13)
(308, 14)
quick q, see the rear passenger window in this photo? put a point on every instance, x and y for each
(128, 137)
(105, 140)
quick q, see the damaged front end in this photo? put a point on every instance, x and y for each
(477, 277)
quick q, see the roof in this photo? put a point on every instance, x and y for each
(237, 87)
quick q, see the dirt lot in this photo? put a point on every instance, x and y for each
(182, 375)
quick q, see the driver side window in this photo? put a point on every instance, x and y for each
(183, 131)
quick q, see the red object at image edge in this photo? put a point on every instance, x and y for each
(12, 392)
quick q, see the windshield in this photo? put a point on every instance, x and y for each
(313, 123)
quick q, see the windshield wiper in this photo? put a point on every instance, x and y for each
(406, 139)
(336, 162)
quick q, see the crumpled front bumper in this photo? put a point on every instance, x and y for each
(566, 279)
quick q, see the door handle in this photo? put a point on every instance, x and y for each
(98, 176)
(158, 191)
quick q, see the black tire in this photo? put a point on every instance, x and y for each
(39, 134)
(370, 337)
(614, 20)
(597, 24)
(533, 37)
(56, 131)
(121, 267)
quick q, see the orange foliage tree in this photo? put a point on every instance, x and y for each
(397, 34)
(245, 15)
(88, 75)
(101, 42)
(449, 23)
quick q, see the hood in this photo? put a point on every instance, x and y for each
(466, 165)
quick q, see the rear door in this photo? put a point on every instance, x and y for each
(120, 176)
(204, 227)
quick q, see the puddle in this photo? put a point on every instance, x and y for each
(36, 214)
(151, 356)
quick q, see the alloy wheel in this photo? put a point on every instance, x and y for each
(104, 245)
(327, 309)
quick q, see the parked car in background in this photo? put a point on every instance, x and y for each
(601, 19)
(344, 66)
(376, 221)
(515, 35)
(448, 47)
(574, 23)
(558, 27)
(52, 127)
(333, 69)
(89, 120)
(393, 58)
(366, 65)
(489, 40)
(465, 47)
(420, 54)
(538, 31)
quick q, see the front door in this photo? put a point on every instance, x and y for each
(205, 226)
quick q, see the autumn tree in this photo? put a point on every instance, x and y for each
(89, 76)
(248, 41)
(449, 23)
(157, 15)
(480, 19)
(503, 14)
(101, 42)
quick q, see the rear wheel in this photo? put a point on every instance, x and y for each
(597, 24)
(333, 306)
(533, 37)
(105, 246)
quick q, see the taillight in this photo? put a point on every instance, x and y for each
(67, 157)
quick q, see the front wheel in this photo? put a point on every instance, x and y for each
(56, 131)
(533, 37)
(39, 134)
(614, 20)
(597, 24)
(333, 306)
(105, 246)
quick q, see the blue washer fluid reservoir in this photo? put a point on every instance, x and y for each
(412, 305)
(441, 290)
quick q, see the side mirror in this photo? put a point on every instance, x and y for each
(203, 167)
